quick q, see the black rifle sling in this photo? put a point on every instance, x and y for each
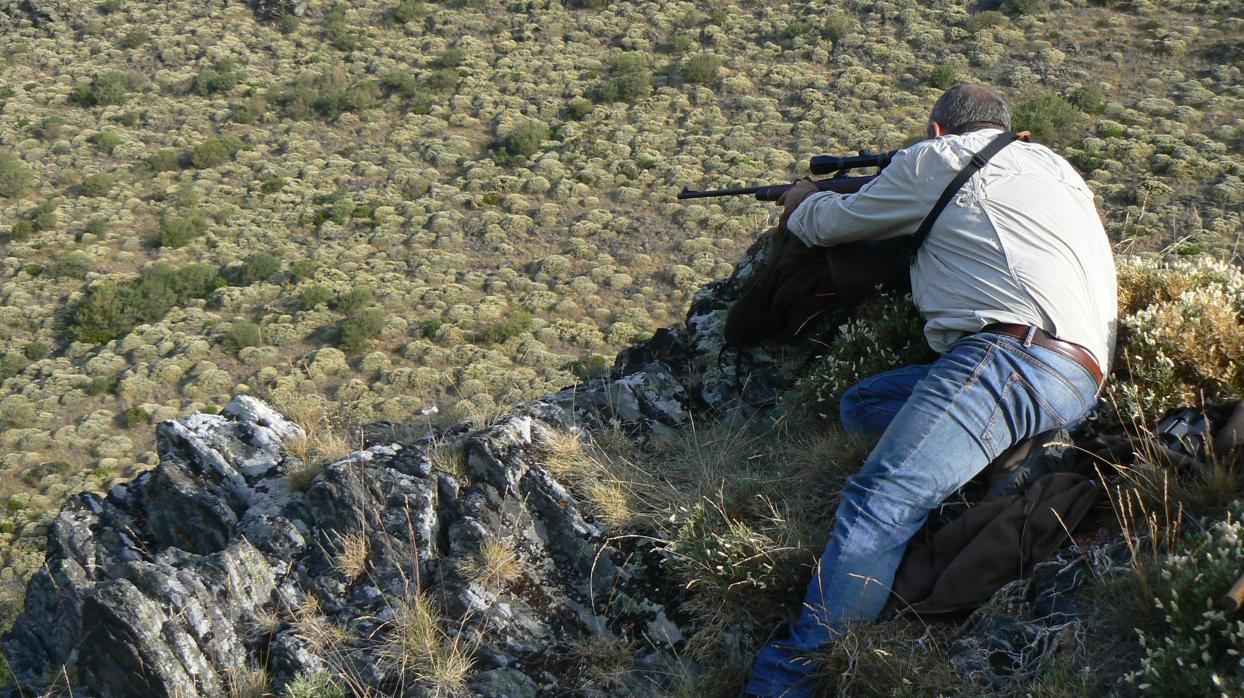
(974, 165)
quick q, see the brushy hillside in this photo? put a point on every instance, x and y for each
(384, 207)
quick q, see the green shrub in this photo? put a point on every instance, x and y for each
(37, 350)
(1052, 119)
(134, 38)
(303, 269)
(108, 7)
(105, 89)
(360, 328)
(885, 333)
(943, 77)
(443, 80)
(453, 57)
(514, 322)
(135, 416)
(354, 300)
(221, 76)
(701, 68)
(243, 333)
(984, 20)
(15, 177)
(97, 184)
(165, 160)
(44, 217)
(337, 207)
(255, 268)
(96, 225)
(1090, 99)
(314, 295)
(400, 83)
(333, 102)
(838, 25)
(590, 366)
(178, 230)
(629, 79)
(102, 384)
(111, 309)
(288, 24)
(1197, 652)
(273, 185)
(1181, 336)
(579, 107)
(337, 30)
(106, 141)
(211, 152)
(71, 265)
(588, 4)
(22, 230)
(524, 141)
(1023, 7)
(408, 11)
(320, 684)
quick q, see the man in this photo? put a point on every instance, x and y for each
(1016, 283)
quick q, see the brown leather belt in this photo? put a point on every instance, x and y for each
(1041, 338)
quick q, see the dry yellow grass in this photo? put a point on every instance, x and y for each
(494, 567)
(350, 554)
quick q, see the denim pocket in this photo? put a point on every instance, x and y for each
(1022, 410)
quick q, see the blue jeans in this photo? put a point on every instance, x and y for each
(940, 425)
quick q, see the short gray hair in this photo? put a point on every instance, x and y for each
(967, 107)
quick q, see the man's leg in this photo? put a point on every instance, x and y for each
(980, 397)
(870, 405)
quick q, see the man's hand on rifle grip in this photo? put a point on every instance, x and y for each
(791, 198)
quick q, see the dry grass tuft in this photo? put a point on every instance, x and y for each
(449, 455)
(324, 442)
(418, 648)
(251, 683)
(494, 566)
(350, 554)
(897, 659)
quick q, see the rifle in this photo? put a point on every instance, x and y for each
(821, 164)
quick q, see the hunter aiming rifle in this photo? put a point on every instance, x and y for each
(821, 164)
(797, 283)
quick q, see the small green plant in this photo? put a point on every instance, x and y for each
(303, 269)
(1198, 650)
(838, 25)
(243, 333)
(355, 299)
(701, 68)
(288, 24)
(1090, 99)
(220, 77)
(71, 265)
(178, 230)
(98, 184)
(453, 57)
(360, 328)
(443, 80)
(943, 76)
(134, 38)
(337, 207)
(106, 141)
(630, 79)
(524, 141)
(111, 309)
(409, 10)
(320, 684)
(15, 177)
(579, 107)
(337, 30)
(255, 268)
(165, 160)
(105, 89)
(314, 295)
(984, 20)
(399, 82)
(96, 225)
(514, 322)
(212, 152)
(1051, 118)
(135, 416)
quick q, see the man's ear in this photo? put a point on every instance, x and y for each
(938, 130)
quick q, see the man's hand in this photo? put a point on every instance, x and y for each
(794, 196)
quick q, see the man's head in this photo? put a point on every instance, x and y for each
(965, 108)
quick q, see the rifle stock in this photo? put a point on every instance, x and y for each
(771, 192)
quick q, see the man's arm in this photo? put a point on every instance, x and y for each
(891, 205)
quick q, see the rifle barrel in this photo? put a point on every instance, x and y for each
(771, 192)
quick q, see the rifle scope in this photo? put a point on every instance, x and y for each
(832, 164)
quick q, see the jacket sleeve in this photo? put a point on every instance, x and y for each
(889, 206)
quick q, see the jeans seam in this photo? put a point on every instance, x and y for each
(1043, 366)
(980, 366)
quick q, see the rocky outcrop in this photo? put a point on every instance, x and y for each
(196, 572)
